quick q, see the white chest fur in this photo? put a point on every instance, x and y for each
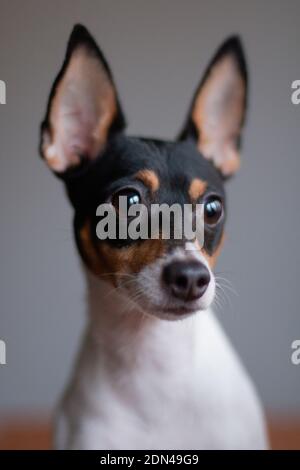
(142, 382)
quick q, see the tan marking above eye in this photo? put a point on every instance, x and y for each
(149, 178)
(197, 188)
(109, 263)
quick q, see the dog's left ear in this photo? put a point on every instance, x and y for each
(83, 108)
(218, 109)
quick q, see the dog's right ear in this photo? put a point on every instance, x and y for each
(83, 109)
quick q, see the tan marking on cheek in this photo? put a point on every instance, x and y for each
(212, 259)
(197, 188)
(132, 259)
(89, 250)
(149, 178)
(110, 263)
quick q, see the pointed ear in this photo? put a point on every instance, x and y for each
(218, 109)
(83, 108)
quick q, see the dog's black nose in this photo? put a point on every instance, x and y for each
(187, 280)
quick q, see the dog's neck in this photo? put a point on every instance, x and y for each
(126, 335)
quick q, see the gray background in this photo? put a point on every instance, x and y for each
(158, 51)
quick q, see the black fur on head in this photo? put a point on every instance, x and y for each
(83, 140)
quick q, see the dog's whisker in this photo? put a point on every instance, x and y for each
(226, 283)
(223, 293)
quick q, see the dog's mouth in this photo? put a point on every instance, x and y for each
(180, 310)
(177, 311)
(169, 313)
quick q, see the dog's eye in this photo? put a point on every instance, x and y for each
(127, 197)
(213, 210)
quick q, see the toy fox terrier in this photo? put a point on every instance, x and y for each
(155, 370)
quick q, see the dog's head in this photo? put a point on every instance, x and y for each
(83, 142)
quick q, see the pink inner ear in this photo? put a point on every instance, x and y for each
(218, 114)
(81, 113)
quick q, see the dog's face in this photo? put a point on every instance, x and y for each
(83, 142)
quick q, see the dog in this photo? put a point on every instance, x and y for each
(155, 370)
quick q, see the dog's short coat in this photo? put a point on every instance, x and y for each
(155, 370)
